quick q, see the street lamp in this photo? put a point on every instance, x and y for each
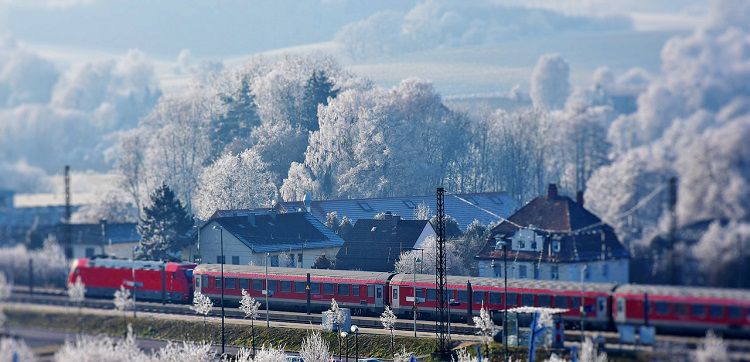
(504, 245)
(355, 330)
(268, 321)
(223, 283)
(415, 310)
(346, 352)
(583, 307)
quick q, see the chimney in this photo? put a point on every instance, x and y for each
(308, 201)
(552, 191)
(579, 197)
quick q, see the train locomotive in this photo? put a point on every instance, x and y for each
(683, 310)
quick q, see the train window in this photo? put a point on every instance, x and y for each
(681, 309)
(328, 288)
(661, 308)
(544, 300)
(734, 312)
(699, 310)
(257, 284)
(245, 284)
(395, 293)
(355, 290)
(204, 281)
(478, 297)
(343, 289)
(463, 296)
(272, 285)
(561, 301)
(315, 288)
(716, 311)
(287, 286)
(230, 283)
(420, 293)
(217, 283)
(527, 300)
(370, 291)
(512, 299)
(431, 294)
(495, 298)
(299, 287)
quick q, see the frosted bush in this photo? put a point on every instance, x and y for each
(266, 354)
(713, 349)
(49, 262)
(315, 349)
(10, 347)
(185, 352)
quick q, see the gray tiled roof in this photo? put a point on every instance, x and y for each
(270, 232)
(498, 203)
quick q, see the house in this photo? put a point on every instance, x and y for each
(87, 240)
(24, 213)
(293, 239)
(465, 208)
(555, 238)
(375, 245)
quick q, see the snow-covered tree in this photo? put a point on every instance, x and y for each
(164, 226)
(202, 305)
(422, 212)
(318, 89)
(266, 354)
(332, 221)
(486, 327)
(315, 349)
(113, 206)
(234, 182)
(230, 130)
(123, 301)
(713, 349)
(6, 289)
(402, 356)
(185, 352)
(250, 306)
(549, 82)
(427, 265)
(388, 320)
(322, 262)
(345, 227)
(589, 352)
(12, 349)
(131, 167)
(723, 252)
(335, 316)
(77, 291)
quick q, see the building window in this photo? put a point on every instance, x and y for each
(219, 259)
(299, 260)
(365, 206)
(89, 252)
(522, 271)
(521, 244)
(274, 260)
(235, 260)
(536, 272)
(605, 271)
(587, 272)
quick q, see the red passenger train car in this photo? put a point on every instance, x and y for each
(683, 309)
(489, 292)
(363, 292)
(154, 280)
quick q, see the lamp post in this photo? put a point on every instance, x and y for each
(355, 330)
(415, 310)
(223, 283)
(268, 321)
(134, 283)
(504, 245)
(583, 307)
(346, 350)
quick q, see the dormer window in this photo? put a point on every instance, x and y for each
(521, 244)
(556, 246)
(533, 245)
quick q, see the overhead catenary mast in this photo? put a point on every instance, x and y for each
(443, 349)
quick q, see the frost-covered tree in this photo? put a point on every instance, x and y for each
(589, 352)
(76, 295)
(422, 212)
(123, 302)
(230, 130)
(318, 89)
(322, 262)
(266, 354)
(315, 349)
(250, 306)
(332, 221)
(388, 320)
(164, 226)
(723, 253)
(113, 206)
(6, 289)
(549, 82)
(345, 227)
(713, 349)
(202, 305)
(402, 356)
(131, 167)
(335, 316)
(12, 349)
(486, 327)
(454, 262)
(234, 182)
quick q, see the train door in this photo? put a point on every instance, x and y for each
(378, 295)
(601, 308)
(620, 316)
(394, 297)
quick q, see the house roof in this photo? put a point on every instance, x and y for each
(91, 234)
(375, 245)
(558, 217)
(498, 203)
(270, 232)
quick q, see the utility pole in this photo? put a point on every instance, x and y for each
(443, 350)
(68, 210)
(268, 321)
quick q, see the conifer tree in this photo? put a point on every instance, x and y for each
(317, 91)
(231, 130)
(164, 226)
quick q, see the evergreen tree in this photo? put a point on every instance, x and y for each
(231, 131)
(317, 91)
(164, 226)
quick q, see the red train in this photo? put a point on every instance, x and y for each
(669, 309)
(154, 280)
